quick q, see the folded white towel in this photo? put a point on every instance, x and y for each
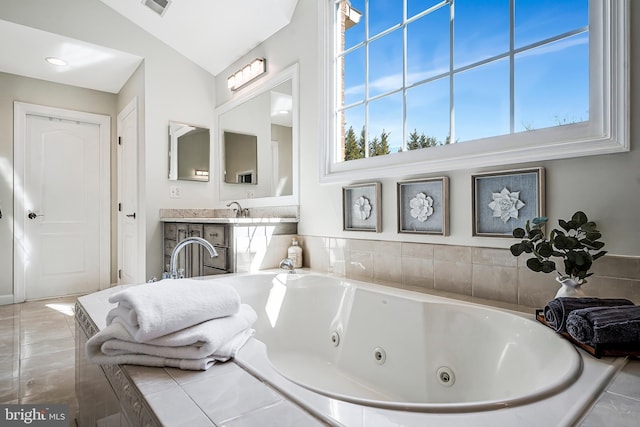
(145, 360)
(151, 310)
(197, 341)
(196, 347)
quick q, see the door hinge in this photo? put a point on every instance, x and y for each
(119, 207)
(119, 140)
(120, 274)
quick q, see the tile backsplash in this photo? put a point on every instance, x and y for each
(488, 273)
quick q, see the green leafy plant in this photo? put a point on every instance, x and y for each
(577, 243)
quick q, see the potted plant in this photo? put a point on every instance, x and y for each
(577, 243)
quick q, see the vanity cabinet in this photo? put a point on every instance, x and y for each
(219, 236)
(243, 245)
(194, 260)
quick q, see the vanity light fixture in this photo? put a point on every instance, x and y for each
(199, 172)
(246, 74)
(56, 61)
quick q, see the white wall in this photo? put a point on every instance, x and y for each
(606, 187)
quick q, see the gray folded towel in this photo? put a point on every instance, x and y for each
(557, 310)
(605, 325)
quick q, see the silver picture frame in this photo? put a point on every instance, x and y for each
(505, 200)
(361, 207)
(423, 206)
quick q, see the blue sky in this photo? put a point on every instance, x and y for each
(550, 84)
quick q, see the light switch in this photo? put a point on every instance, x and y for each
(174, 192)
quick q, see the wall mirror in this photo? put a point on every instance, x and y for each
(258, 143)
(240, 158)
(188, 152)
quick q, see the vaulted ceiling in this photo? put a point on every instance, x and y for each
(212, 33)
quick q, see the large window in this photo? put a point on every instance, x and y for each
(444, 84)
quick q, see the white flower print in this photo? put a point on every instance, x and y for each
(421, 207)
(505, 204)
(362, 208)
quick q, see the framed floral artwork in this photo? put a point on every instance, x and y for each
(423, 206)
(361, 208)
(503, 201)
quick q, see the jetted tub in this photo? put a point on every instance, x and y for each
(397, 349)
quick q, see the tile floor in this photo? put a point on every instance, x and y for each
(37, 353)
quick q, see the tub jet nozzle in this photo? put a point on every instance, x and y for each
(445, 376)
(335, 338)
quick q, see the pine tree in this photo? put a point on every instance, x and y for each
(420, 141)
(428, 141)
(373, 146)
(362, 143)
(414, 140)
(379, 146)
(383, 148)
(351, 150)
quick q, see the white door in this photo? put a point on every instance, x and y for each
(61, 210)
(128, 215)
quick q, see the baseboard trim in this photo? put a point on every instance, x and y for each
(6, 299)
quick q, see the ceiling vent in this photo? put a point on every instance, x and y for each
(158, 6)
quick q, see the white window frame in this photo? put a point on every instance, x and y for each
(607, 130)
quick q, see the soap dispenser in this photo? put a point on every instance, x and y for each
(294, 253)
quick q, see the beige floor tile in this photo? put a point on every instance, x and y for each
(49, 384)
(9, 366)
(39, 366)
(37, 353)
(47, 347)
(9, 344)
(36, 329)
(9, 389)
(9, 311)
(61, 395)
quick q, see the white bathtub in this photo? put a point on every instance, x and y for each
(380, 347)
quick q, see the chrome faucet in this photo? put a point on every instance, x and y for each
(189, 240)
(287, 264)
(240, 213)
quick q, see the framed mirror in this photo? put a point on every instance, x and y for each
(189, 147)
(258, 143)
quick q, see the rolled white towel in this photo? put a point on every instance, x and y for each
(151, 310)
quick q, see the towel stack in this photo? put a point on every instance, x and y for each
(183, 323)
(595, 321)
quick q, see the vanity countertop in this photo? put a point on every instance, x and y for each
(235, 221)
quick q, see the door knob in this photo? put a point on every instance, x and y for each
(33, 215)
(133, 215)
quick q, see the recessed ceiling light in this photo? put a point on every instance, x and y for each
(56, 61)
